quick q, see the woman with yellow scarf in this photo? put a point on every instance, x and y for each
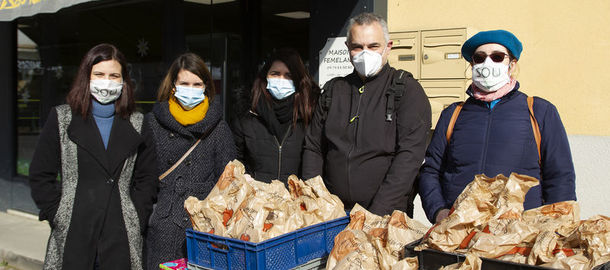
(193, 146)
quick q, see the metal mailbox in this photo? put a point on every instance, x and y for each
(441, 54)
(405, 52)
(443, 93)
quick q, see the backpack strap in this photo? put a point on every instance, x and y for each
(535, 127)
(454, 117)
(395, 92)
(327, 95)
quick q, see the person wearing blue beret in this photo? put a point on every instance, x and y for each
(497, 130)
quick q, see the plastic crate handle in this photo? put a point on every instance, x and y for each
(216, 247)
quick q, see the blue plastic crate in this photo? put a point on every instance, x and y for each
(283, 252)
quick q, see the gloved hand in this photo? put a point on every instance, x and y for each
(442, 214)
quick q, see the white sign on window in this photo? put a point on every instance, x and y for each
(334, 60)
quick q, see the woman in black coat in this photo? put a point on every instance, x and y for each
(99, 207)
(187, 112)
(269, 137)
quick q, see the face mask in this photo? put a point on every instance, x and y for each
(105, 91)
(367, 62)
(280, 88)
(189, 97)
(490, 76)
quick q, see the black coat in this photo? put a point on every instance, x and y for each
(362, 157)
(195, 176)
(92, 216)
(266, 157)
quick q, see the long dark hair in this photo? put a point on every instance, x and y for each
(306, 90)
(192, 63)
(79, 97)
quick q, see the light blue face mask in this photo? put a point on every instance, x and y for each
(280, 88)
(189, 97)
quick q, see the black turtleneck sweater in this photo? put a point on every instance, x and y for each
(268, 143)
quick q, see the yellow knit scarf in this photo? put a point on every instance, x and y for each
(192, 116)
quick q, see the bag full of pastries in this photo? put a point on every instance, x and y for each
(242, 208)
(487, 220)
(375, 242)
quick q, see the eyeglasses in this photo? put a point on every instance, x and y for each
(479, 57)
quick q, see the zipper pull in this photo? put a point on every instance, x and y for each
(361, 89)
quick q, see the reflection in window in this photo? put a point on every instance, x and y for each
(30, 71)
(51, 46)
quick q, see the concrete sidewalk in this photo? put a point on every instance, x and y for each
(23, 241)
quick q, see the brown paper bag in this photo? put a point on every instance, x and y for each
(410, 263)
(283, 217)
(512, 195)
(595, 238)
(561, 217)
(384, 257)
(329, 205)
(573, 262)
(247, 223)
(484, 199)
(226, 196)
(352, 249)
(357, 261)
(194, 208)
(473, 207)
(542, 251)
(402, 230)
(472, 262)
(500, 236)
(516, 258)
(388, 235)
(485, 188)
(505, 230)
(304, 196)
(366, 220)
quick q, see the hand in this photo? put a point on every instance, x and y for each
(442, 214)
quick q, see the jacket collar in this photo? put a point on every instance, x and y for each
(167, 120)
(381, 74)
(124, 139)
(253, 113)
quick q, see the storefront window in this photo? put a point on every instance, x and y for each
(51, 46)
(229, 36)
(214, 33)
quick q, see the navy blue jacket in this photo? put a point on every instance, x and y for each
(497, 141)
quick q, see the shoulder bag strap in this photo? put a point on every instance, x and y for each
(170, 170)
(535, 127)
(454, 117)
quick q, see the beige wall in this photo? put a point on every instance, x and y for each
(566, 48)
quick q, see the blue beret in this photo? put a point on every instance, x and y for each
(502, 37)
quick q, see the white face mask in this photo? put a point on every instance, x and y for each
(490, 76)
(367, 63)
(189, 97)
(280, 88)
(105, 91)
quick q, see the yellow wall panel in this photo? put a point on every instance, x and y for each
(566, 48)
